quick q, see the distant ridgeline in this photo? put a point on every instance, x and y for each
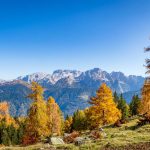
(72, 89)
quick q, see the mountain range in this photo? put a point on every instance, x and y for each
(72, 89)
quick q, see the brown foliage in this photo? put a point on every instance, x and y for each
(27, 140)
(117, 123)
(70, 138)
(95, 134)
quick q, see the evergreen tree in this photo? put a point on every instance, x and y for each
(123, 107)
(20, 130)
(116, 97)
(12, 134)
(2, 128)
(103, 110)
(8, 126)
(134, 105)
(87, 121)
(79, 120)
(5, 138)
(15, 138)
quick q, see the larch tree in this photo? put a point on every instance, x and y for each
(4, 114)
(103, 110)
(145, 103)
(36, 123)
(54, 117)
(68, 124)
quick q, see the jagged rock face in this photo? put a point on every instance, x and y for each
(60, 74)
(91, 78)
(72, 89)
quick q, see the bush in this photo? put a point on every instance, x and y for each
(70, 137)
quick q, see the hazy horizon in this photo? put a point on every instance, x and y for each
(43, 36)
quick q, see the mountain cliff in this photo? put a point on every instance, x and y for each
(71, 88)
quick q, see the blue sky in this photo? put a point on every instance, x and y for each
(45, 35)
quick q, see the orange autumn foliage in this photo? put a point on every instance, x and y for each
(4, 108)
(145, 102)
(44, 119)
(4, 113)
(36, 122)
(103, 110)
(54, 117)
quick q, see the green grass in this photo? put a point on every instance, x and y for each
(127, 134)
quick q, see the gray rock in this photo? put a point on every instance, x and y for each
(57, 141)
(101, 129)
(66, 134)
(79, 141)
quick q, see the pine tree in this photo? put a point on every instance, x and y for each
(134, 105)
(87, 121)
(79, 120)
(36, 123)
(12, 134)
(54, 117)
(21, 132)
(103, 110)
(5, 138)
(116, 97)
(123, 107)
(15, 138)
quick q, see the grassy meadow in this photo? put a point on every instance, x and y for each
(128, 136)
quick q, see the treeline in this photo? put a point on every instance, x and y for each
(45, 118)
(106, 108)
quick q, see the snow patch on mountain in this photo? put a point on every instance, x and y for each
(60, 74)
(90, 78)
(37, 77)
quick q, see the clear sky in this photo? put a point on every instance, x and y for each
(45, 35)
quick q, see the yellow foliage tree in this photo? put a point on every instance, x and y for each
(68, 124)
(54, 117)
(36, 123)
(145, 103)
(4, 114)
(144, 108)
(103, 110)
